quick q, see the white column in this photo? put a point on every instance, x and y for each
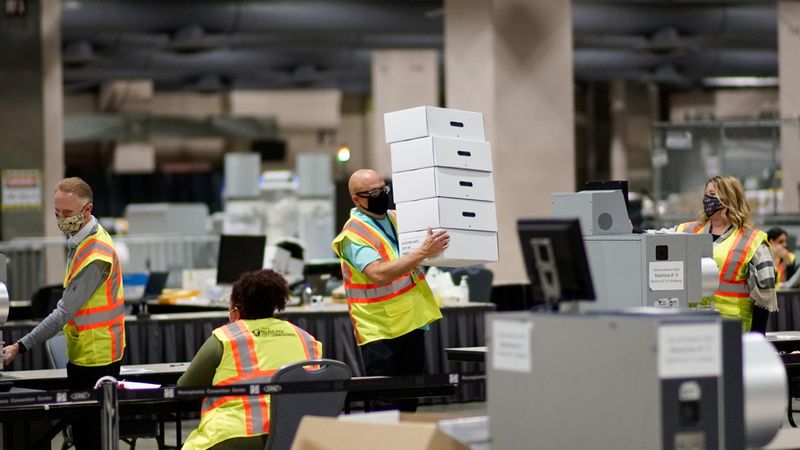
(400, 79)
(789, 79)
(512, 60)
(52, 131)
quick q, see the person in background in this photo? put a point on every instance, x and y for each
(91, 311)
(250, 349)
(783, 259)
(391, 304)
(742, 253)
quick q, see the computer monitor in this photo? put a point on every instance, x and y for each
(237, 255)
(610, 185)
(555, 259)
(156, 282)
(319, 272)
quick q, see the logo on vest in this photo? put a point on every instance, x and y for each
(266, 332)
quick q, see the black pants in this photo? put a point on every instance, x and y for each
(404, 355)
(759, 323)
(86, 430)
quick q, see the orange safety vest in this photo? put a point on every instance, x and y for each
(383, 311)
(780, 269)
(96, 335)
(732, 298)
(253, 350)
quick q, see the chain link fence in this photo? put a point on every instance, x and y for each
(685, 155)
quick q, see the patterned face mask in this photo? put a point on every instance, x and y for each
(70, 225)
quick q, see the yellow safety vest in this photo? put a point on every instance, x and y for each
(96, 335)
(253, 350)
(781, 268)
(383, 311)
(732, 298)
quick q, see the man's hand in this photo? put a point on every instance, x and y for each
(434, 243)
(9, 353)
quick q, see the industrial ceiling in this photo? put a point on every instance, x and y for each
(218, 45)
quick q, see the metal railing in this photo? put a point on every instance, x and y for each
(26, 257)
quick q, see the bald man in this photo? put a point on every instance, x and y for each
(391, 304)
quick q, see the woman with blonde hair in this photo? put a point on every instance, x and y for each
(746, 270)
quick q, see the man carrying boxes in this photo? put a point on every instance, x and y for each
(390, 303)
(442, 172)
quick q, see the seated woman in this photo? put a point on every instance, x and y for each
(247, 350)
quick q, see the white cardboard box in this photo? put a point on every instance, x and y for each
(442, 152)
(440, 212)
(442, 182)
(425, 121)
(466, 247)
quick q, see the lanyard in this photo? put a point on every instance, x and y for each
(391, 236)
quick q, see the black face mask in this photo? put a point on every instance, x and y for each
(378, 205)
(711, 205)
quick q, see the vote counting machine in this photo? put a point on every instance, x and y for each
(665, 270)
(631, 371)
(665, 380)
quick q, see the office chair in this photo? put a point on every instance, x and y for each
(144, 427)
(45, 299)
(286, 410)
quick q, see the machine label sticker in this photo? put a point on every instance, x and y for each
(511, 346)
(666, 275)
(689, 351)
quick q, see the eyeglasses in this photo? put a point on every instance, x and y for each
(374, 192)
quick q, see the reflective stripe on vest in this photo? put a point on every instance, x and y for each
(690, 227)
(378, 293)
(93, 245)
(733, 288)
(248, 370)
(365, 232)
(736, 257)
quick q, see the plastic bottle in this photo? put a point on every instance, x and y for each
(306, 296)
(463, 290)
(432, 277)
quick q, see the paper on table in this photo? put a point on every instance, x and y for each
(391, 416)
(132, 371)
(132, 385)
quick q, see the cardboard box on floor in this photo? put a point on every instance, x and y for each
(413, 432)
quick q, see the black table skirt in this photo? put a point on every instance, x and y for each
(177, 337)
(787, 318)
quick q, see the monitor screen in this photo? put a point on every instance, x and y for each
(156, 282)
(555, 259)
(237, 255)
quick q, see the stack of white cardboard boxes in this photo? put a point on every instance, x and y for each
(442, 179)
